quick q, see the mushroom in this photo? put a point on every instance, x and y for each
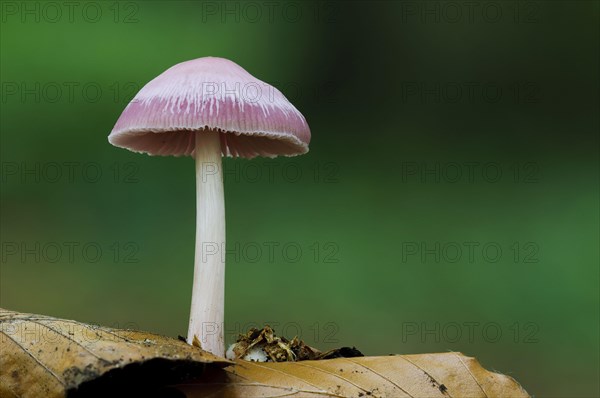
(207, 108)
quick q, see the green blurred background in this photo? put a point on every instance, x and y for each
(370, 231)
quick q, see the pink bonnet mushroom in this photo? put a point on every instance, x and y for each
(207, 108)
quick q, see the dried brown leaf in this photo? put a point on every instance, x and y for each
(41, 356)
(443, 375)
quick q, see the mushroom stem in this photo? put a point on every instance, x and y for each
(206, 314)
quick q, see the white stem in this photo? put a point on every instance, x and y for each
(208, 293)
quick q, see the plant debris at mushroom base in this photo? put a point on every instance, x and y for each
(264, 346)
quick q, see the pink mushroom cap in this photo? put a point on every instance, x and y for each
(211, 94)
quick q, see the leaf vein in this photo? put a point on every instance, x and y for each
(71, 340)
(37, 360)
(427, 373)
(472, 375)
(382, 376)
(289, 375)
(332, 374)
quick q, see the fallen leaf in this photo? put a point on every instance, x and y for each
(443, 375)
(41, 356)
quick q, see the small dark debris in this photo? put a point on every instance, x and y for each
(344, 352)
(433, 382)
(443, 388)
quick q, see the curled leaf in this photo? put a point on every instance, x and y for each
(41, 356)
